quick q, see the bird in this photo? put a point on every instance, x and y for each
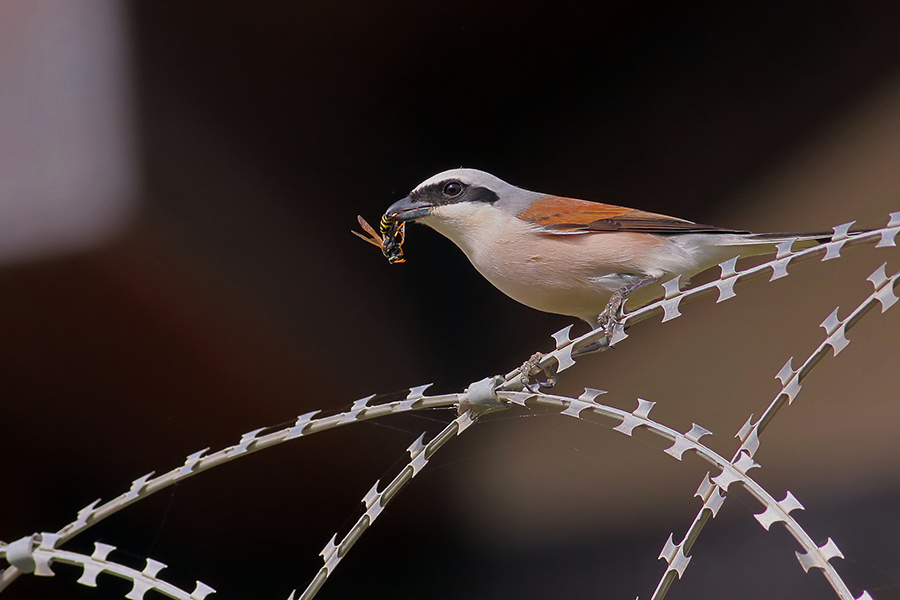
(569, 256)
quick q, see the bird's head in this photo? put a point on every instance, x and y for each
(457, 187)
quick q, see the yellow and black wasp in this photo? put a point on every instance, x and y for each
(390, 240)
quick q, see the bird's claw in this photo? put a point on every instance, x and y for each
(525, 373)
(612, 314)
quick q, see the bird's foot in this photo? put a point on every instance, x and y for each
(612, 314)
(534, 385)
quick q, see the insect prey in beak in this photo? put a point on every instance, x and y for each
(390, 240)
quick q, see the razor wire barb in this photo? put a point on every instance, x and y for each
(35, 553)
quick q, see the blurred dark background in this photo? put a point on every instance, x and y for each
(177, 186)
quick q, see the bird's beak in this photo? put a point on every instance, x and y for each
(408, 209)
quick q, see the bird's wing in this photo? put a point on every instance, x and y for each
(555, 214)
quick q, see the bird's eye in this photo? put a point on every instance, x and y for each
(452, 189)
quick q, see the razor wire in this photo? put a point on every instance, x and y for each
(375, 501)
(250, 442)
(791, 381)
(496, 393)
(36, 553)
(813, 555)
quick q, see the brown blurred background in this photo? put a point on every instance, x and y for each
(177, 186)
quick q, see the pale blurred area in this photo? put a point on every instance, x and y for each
(177, 186)
(68, 155)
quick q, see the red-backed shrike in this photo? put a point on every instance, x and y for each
(568, 256)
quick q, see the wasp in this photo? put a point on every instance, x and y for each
(390, 240)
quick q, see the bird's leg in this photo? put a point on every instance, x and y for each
(525, 373)
(615, 308)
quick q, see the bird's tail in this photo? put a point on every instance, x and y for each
(716, 247)
(801, 240)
